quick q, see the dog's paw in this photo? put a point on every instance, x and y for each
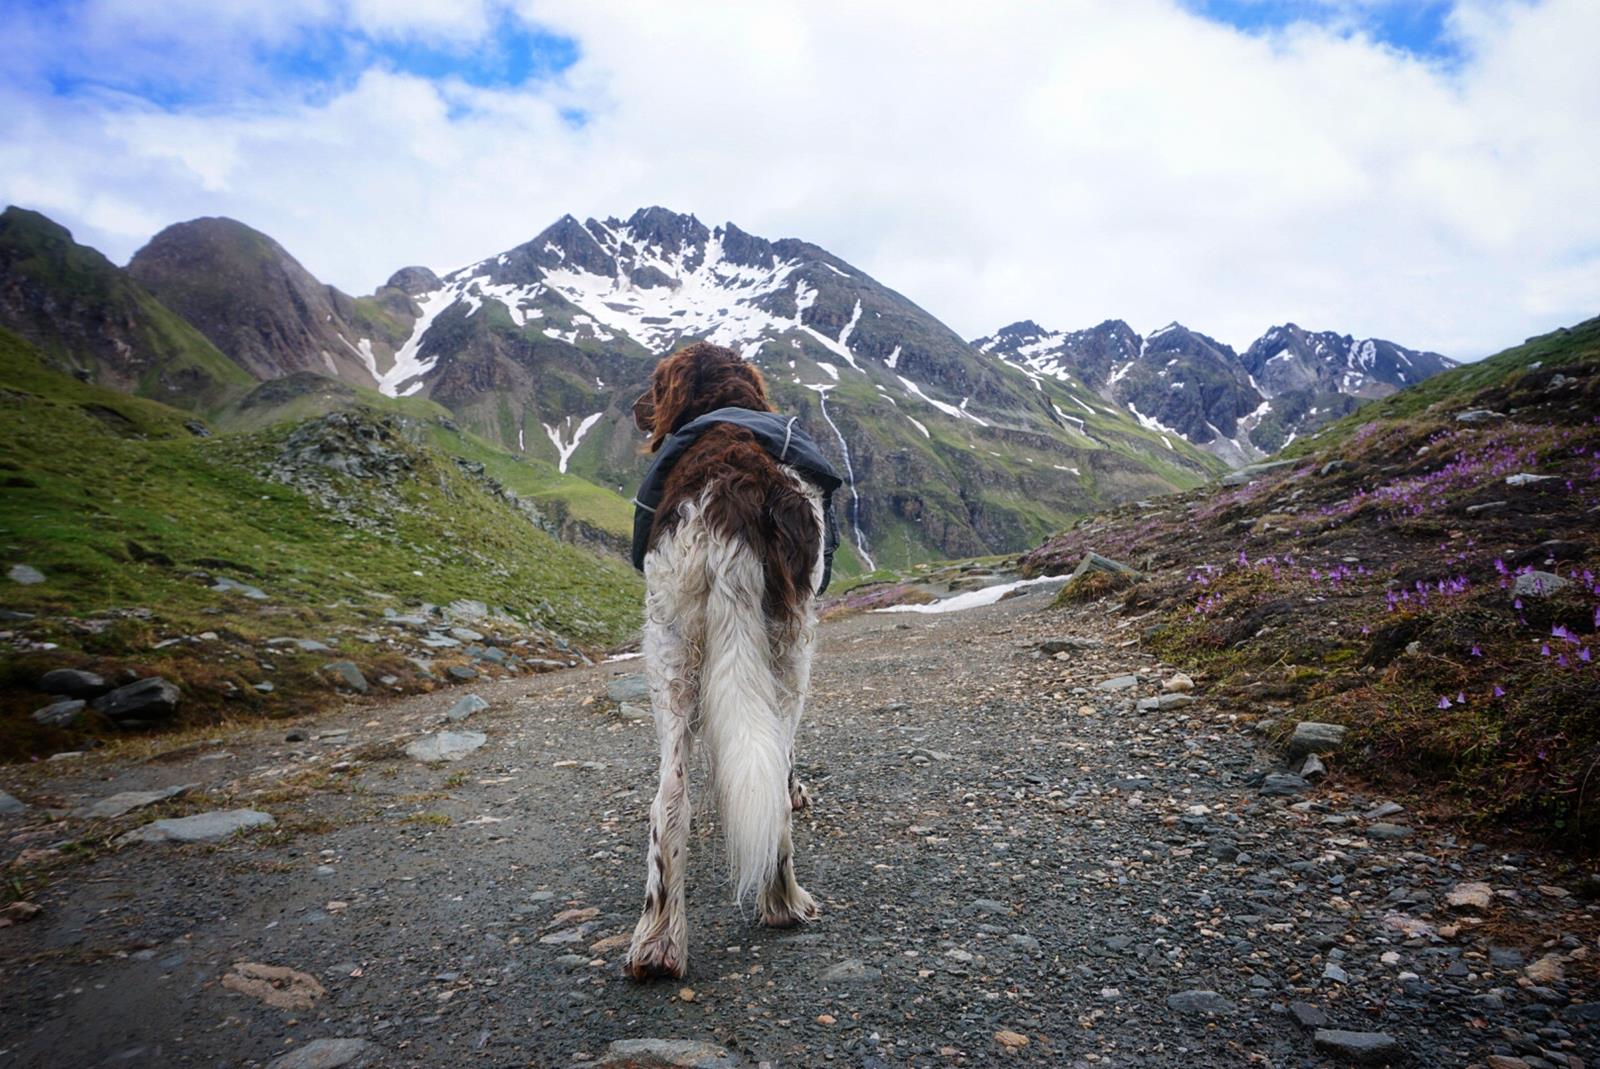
(654, 960)
(799, 797)
(795, 908)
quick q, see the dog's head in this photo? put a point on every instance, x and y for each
(697, 379)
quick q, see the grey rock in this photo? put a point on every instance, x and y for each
(466, 634)
(1332, 971)
(440, 642)
(1523, 478)
(1023, 942)
(200, 828)
(326, 1054)
(73, 683)
(1052, 646)
(61, 714)
(1479, 415)
(127, 801)
(1537, 584)
(1198, 1002)
(1282, 785)
(225, 585)
(1334, 466)
(264, 687)
(850, 971)
(666, 1054)
(148, 699)
(1117, 683)
(1251, 472)
(1384, 809)
(1307, 1016)
(1312, 769)
(990, 905)
(9, 806)
(465, 707)
(1384, 830)
(1487, 506)
(445, 746)
(25, 574)
(346, 676)
(1164, 701)
(1094, 562)
(461, 673)
(629, 688)
(1311, 736)
(311, 645)
(1358, 1048)
(630, 711)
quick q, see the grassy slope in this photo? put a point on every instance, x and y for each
(97, 479)
(1370, 596)
(182, 367)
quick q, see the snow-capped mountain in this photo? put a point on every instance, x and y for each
(1236, 406)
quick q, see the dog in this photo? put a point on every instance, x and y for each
(734, 533)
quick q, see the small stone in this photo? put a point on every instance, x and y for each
(1470, 897)
(73, 683)
(202, 827)
(461, 673)
(1333, 972)
(346, 676)
(445, 746)
(465, 707)
(1307, 1016)
(224, 585)
(147, 699)
(665, 1054)
(1282, 785)
(1547, 970)
(1359, 1048)
(1312, 769)
(1311, 736)
(1010, 1040)
(1383, 809)
(1199, 1002)
(825, 1018)
(1537, 584)
(1117, 683)
(127, 801)
(629, 688)
(1178, 684)
(61, 714)
(25, 574)
(1385, 830)
(1505, 1061)
(9, 806)
(686, 994)
(990, 905)
(325, 1054)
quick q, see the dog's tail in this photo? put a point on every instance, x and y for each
(742, 721)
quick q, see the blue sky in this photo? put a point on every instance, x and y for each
(1415, 26)
(1420, 170)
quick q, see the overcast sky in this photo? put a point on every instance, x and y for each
(1426, 172)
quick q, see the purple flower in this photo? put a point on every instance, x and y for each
(1444, 703)
(1499, 692)
(1476, 652)
(1461, 697)
(1562, 660)
(1544, 649)
(1583, 655)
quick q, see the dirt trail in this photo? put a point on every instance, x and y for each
(1015, 866)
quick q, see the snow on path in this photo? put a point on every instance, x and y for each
(973, 599)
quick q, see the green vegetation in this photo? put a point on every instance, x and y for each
(101, 323)
(131, 518)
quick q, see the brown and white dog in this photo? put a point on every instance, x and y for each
(735, 552)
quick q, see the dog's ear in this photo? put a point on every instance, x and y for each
(644, 412)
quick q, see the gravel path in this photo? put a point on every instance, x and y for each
(1015, 866)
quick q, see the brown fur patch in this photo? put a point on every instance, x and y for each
(751, 499)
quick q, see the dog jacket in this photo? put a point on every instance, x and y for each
(783, 440)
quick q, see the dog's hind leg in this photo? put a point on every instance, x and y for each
(673, 626)
(784, 903)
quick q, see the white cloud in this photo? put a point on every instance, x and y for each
(1065, 163)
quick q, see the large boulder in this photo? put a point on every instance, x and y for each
(73, 683)
(1315, 737)
(1094, 562)
(148, 699)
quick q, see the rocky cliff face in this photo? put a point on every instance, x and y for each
(258, 305)
(1237, 406)
(87, 317)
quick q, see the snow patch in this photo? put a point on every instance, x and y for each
(566, 448)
